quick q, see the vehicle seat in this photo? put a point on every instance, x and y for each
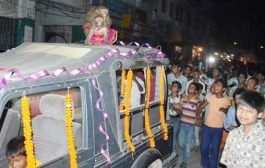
(9, 130)
(49, 129)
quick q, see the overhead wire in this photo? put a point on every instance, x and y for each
(62, 6)
(55, 14)
(2, 14)
(54, 5)
(62, 10)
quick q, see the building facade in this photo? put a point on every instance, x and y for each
(176, 25)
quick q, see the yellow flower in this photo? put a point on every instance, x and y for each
(146, 111)
(127, 110)
(162, 103)
(69, 131)
(27, 132)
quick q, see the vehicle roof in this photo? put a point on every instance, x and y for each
(30, 58)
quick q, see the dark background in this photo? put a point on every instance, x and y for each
(240, 21)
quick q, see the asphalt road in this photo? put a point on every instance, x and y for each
(195, 159)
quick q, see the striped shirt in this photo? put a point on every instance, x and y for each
(189, 108)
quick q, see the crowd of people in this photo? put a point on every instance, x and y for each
(213, 106)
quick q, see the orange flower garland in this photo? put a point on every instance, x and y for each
(127, 111)
(69, 131)
(162, 103)
(146, 111)
(123, 72)
(27, 132)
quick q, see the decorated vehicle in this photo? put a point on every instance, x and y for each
(73, 104)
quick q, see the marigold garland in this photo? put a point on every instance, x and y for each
(28, 132)
(123, 73)
(162, 103)
(127, 111)
(146, 111)
(69, 131)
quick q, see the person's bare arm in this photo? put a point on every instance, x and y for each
(198, 113)
(177, 108)
(200, 107)
(231, 127)
(224, 110)
(169, 86)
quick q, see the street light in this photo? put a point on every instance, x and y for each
(209, 62)
(211, 59)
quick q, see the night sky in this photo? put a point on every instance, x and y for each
(242, 21)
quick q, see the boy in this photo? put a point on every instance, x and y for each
(252, 84)
(213, 127)
(245, 145)
(241, 79)
(16, 153)
(230, 120)
(174, 112)
(176, 75)
(188, 118)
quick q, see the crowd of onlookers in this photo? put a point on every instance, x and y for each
(206, 107)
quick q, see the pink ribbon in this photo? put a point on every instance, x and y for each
(157, 54)
(40, 74)
(7, 76)
(105, 117)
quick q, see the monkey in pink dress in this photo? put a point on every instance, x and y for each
(97, 29)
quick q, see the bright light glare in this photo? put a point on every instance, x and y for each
(261, 46)
(216, 53)
(200, 49)
(211, 59)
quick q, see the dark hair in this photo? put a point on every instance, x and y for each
(176, 63)
(238, 91)
(178, 83)
(196, 70)
(188, 66)
(242, 72)
(219, 69)
(197, 86)
(16, 147)
(200, 86)
(252, 99)
(222, 81)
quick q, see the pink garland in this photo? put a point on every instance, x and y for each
(105, 117)
(37, 75)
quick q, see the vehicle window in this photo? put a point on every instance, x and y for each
(138, 88)
(2, 118)
(48, 121)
